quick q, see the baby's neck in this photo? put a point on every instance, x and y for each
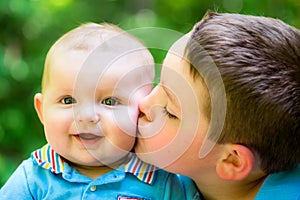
(94, 172)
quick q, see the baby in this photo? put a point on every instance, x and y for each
(93, 79)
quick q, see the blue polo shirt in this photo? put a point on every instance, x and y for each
(281, 186)
(45, 175)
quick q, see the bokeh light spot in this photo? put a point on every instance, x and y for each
(145, 17)
(4, 87)
(233, 5)
(19, 70)
(60, 3)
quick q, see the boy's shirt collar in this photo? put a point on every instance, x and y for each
(48, 159)
(282, 185)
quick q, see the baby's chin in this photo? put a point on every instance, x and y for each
(113, 160)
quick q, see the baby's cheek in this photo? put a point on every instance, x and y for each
(126, 120)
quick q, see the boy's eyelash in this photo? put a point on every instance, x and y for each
(169, 115)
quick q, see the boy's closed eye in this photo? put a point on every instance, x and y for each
(168, 114)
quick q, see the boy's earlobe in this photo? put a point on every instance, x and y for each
(38, 105)
(236, 164)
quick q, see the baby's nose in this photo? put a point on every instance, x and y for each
(87, 114)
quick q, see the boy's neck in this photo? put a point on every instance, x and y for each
(223, 190)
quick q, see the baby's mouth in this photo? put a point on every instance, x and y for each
(88, 136)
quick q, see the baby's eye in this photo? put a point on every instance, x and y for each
(110, 101)
(68, 100)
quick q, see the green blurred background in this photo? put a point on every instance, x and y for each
(29, 28)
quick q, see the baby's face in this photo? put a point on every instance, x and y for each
(90, 104)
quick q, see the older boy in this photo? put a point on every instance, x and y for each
(255, 153)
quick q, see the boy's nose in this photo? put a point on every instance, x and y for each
(146, 104)
(144, 108)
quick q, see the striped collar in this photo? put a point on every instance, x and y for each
(143, 171)
(47, 158)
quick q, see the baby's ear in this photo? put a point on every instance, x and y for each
(236, 163)
(38, 105)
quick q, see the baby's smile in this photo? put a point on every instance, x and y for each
(88, 138)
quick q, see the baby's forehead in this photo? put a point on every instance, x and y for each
(106, 39)
(95, 43)
(113, 48)
(102, 38)
(102, 61)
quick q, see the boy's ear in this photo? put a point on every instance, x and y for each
(236, 163)
(38, 105)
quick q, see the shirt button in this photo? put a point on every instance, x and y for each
(93, 188)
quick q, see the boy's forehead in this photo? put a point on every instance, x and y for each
(176, 54)
(179, 46)
(174, 62)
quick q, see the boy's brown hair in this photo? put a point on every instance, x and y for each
(259, 61)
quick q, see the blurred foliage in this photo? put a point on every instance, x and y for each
(29, 28)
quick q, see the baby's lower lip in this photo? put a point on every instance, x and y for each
(88, 139)
(87, 136)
